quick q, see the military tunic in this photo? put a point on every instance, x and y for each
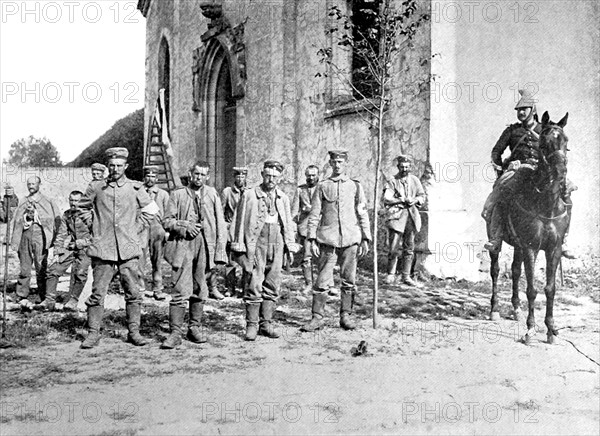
(154, 237)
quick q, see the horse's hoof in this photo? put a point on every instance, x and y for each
(495, 316)
(518, 315)
(550, 338)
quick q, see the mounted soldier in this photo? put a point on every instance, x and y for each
(522, 139)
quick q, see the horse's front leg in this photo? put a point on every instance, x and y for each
(494, 272)
(529, 257)
(516, 275)
(552, 261)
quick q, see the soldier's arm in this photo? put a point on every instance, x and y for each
(363, 215)
(236, 230)
(61, 236)
(315, 213)
(296, 206)
(290, 240)
(221, 241)
(500, 146)
(171, 223)
(420, 194)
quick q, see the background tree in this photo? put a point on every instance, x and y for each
(378, 33)
(34, 152)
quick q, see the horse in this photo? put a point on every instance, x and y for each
(537, 219)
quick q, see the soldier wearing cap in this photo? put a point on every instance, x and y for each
(339, 231)
(301, 207)
(197, 239)
(402, 196)
(522, 139)
(230, 197)
(98, 171)
(154, 235)
(116, 204)
(36, 223)
(263, 231)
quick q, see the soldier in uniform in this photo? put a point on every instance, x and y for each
(402, 196)
(338, 230)
(72, 241)
(230, 198)
(36, 223)
(116, 204)
(154, 236)
(197, 239)
(98, 171)
(300, 210)
(263, 231)
(523, 141)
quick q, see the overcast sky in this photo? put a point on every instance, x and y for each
(68, 70)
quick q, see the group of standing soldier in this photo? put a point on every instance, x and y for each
(117, 222)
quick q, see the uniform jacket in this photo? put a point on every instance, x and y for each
(75, 227)
(161, 198)
(301, 207)
(230, 197)
(339, 214)
(408, 188)
(48, 214)
(116, 218)
(522, 142)
(181, 212)
(250, 217)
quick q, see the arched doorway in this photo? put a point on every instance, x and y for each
(217, 127)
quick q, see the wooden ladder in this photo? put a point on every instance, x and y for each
(156, 154)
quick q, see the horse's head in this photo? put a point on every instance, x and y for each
(553, 145)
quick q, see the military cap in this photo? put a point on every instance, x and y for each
(527, 99)
(404, 158)
(240, 170)
(151, 169)
(273, 164)
(337, 154)
(117, 153)
(98, 167)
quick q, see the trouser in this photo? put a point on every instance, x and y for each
(330, 256)
(154, 247)
(189, 280)
(104, 270)
(79, 263)
(32, 252)
(265, 276)
(402, 243)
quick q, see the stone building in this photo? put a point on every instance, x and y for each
(242, 85)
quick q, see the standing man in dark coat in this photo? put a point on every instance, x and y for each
(116, 204)
(72, 241)
(263, 231)
(402, 196)
(154, 235)
(230, 197)
(197, 239)
(36, 223)
(301, 207)
(338, 230)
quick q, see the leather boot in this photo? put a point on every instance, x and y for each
(267, 307)
(306, 272)
(176, 315)
(318, 311)
(133, 311)
(346, 321)
(252, 310)
(71, 305)
(495, 228)
(194, 332)
(94, 321)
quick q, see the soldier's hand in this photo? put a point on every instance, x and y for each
(314, 248)
(363, 248)
(290, 258)
(194, 231)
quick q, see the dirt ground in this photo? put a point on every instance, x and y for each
(435, 365)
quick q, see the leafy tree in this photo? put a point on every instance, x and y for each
(378, 34)
(34, 152)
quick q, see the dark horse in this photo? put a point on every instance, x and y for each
(537, 219)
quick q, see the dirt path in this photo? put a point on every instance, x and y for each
(434, 366)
